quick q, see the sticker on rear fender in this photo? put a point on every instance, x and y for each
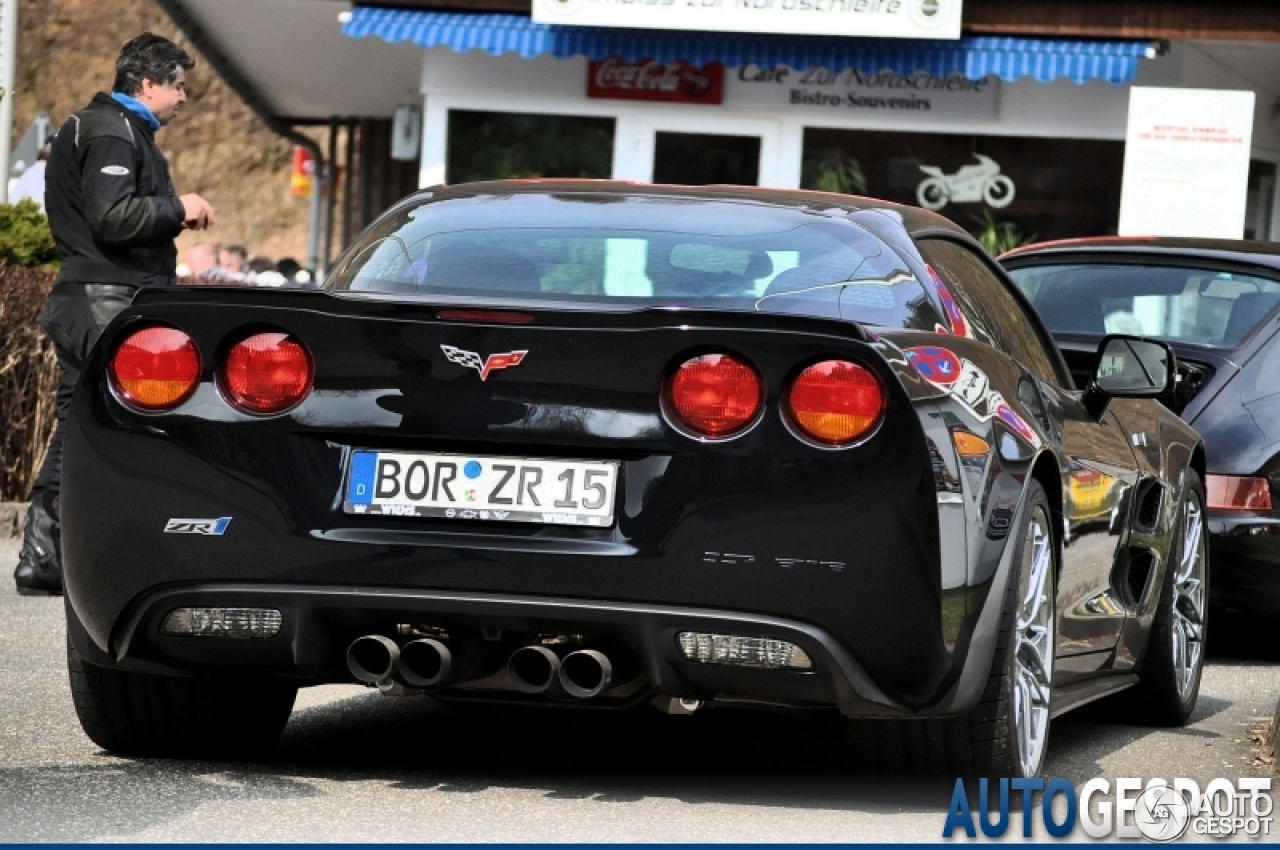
(503, 489)
(215, 527)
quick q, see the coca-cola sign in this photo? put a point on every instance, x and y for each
(674, 82)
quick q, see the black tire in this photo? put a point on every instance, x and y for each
(209, 716)
(1156, 700)
(984, 742)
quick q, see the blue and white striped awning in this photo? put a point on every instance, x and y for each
(1007, 58)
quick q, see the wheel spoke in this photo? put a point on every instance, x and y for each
(1038, 690)
(1187, 603)
(1032, 661)
(1191, 543)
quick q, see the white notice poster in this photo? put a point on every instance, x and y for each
(1186, 163)
(877, 18)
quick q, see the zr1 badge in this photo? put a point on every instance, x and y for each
(197, 526)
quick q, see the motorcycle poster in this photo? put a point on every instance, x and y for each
(982, 182)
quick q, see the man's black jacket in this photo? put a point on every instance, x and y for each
(110, 200)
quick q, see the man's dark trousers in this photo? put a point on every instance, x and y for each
(75, 318)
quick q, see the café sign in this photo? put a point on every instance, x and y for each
(875, 18)
(677, 81)
(851, 92)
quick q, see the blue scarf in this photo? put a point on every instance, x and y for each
(138, 108)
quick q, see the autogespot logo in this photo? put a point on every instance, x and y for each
(1156, 810)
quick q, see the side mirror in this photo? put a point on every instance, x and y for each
(1129, 367)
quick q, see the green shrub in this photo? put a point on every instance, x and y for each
(25, 239)
(999, 236)
(830, 170)
(28, 379)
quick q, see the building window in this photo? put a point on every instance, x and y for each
(1260, 200)
(1018, 188)
(501, 145)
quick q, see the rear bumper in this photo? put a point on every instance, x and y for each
(1244, 557)
(320, 622)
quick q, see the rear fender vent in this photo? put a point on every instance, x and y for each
(1135, 574)
(1150, 498)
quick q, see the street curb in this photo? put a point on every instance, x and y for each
(13, 516)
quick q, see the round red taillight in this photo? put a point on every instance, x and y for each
(267, 373)
(155, 368)
(715, 395)
(835, 402)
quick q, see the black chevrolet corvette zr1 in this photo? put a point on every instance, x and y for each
(598, 444)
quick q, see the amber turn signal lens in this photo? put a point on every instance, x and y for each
(970, 445)
(1235, 493)
(155, 368)
(715, 395)
(267, 373)
(835, 402)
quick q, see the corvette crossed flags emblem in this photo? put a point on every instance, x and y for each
(492, 363)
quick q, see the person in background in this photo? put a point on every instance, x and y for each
(114, 215)
(202, 260)
(289, 267)
(262, 272)
(31, 183)
(234, 260)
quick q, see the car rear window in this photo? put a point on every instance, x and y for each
(1217, 308)
(637, 250)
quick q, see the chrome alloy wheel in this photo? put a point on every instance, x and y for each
(1034, 645)
(1187, 621)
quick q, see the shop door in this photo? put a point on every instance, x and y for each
(701, 159)
(725, 151)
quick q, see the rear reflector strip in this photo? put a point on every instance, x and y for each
(222, 622)
(738, 651)
(1236, 493)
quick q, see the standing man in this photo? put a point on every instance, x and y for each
(114, 215)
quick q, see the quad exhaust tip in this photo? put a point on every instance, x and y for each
(425, 663)
(537, 669)
(585, 673)
(533, 669)
(379, 660)
(373, 659)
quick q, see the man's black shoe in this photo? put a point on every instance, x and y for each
(39, 571)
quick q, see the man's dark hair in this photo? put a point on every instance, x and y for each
(149, 57)
(261, 264)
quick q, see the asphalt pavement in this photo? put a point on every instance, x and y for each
(356, 766)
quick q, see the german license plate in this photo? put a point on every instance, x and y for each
(503, 489)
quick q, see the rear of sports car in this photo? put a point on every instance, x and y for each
(522, 494)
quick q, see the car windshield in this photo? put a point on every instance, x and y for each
(638, 250)
(1217, 308)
